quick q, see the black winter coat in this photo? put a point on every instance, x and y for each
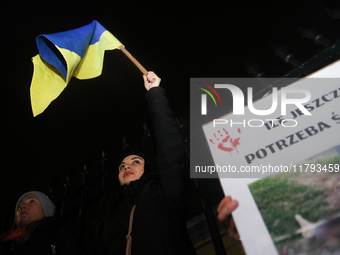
(159, 226)
(49, 232)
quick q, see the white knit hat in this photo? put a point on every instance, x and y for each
(46, 203)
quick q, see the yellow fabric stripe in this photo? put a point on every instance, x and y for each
(92, 63)
(72, 60)
(47, 84)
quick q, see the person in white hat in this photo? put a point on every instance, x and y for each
(38, 231)
(33, 206)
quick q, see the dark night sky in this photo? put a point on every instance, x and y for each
(176, 40)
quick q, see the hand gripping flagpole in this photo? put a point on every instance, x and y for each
(140, 67)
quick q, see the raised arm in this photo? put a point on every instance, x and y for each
(170, 148)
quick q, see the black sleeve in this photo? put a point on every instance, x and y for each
(170, 148)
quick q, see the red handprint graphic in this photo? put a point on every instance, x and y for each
(233, 143)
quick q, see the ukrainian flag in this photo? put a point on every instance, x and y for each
(78, 52)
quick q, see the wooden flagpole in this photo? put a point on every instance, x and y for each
(140, 67)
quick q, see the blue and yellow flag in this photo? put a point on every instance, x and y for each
(78, 52)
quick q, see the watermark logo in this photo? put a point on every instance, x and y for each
(204, 97)
(238, 100)
(251, 123)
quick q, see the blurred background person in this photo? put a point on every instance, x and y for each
(38, 232)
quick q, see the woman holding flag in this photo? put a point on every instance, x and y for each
(148, 207)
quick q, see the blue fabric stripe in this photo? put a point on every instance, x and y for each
(76, 40)
(52, 55)
(97, 32)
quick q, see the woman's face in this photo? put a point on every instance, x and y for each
(29, 210)
(131, 169)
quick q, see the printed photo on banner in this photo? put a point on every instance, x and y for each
(301, 212)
